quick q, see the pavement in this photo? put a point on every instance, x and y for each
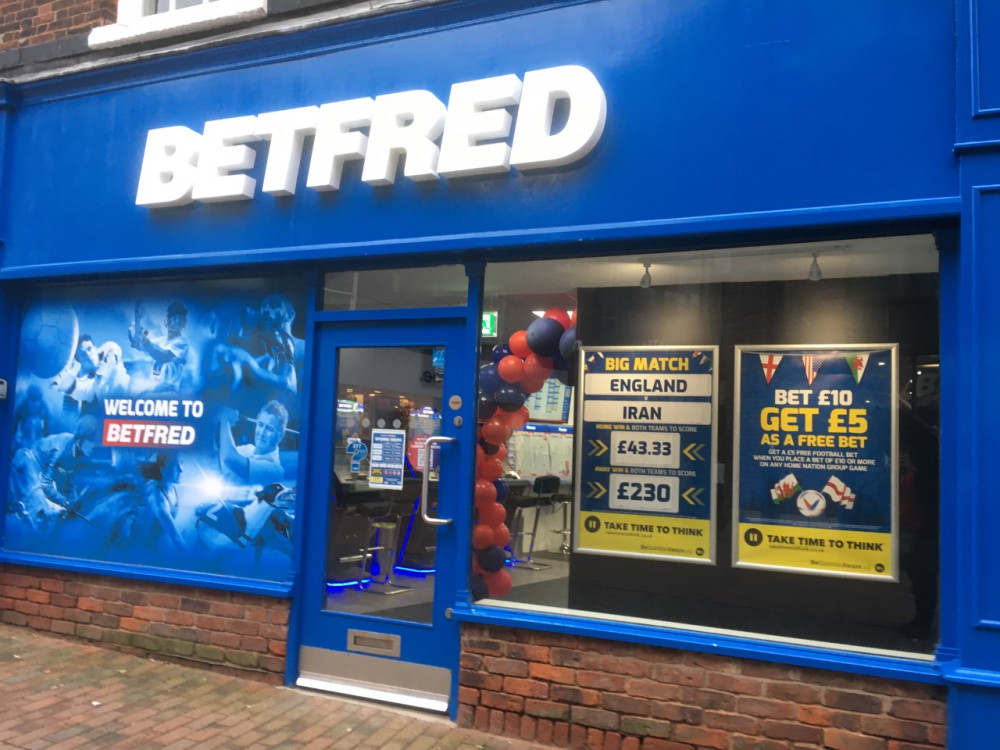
(57, 694)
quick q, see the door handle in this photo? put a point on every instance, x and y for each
(425, 484)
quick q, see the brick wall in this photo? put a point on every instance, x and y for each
(219, 629)
(26, 22)
(587, 693)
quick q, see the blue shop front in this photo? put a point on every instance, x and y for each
(664, 323)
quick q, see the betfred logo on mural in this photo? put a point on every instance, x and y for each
(474, 134)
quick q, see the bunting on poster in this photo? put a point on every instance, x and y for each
(857, 362)
(811, 363)
(769, 363)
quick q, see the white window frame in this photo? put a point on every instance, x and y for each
(138, 22)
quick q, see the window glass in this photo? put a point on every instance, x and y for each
(165, 6)
(735, 439)
(380, 557)
(397, 288)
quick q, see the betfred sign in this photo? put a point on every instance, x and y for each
(474, 134)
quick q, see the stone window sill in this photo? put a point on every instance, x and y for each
(185, 21)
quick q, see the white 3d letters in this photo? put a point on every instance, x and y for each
(535, 146)
(168, 167)
(286, 130)
(471, 136)
(408, 123)
(337, 140)
(476, 112)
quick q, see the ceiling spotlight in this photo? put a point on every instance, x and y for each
(815, 272)
(646, 279)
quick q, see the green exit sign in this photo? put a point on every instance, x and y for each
(489, 325)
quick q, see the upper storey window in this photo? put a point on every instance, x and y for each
(148, 20)
(165, 6)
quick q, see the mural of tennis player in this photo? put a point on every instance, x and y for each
(93, 373)
(257, 462)
(169, 351)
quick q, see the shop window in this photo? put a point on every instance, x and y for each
(397, 288)
(149, 20)
(733, 440)
(156, 426)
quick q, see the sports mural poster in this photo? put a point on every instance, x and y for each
(816, 486)
(646, 454)
(159, 426)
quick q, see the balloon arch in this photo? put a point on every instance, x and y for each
(519, 368)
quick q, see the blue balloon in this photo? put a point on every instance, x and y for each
(567, 343)
(510, 397)
(503, 490)
(543, 336)
(500, 351)
(489, 380)
(491, 559)
(478, 588)
(487, 405)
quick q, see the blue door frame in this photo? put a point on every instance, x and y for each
(436, 644)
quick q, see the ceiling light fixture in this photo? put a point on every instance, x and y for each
(646, 279)
(815, 272)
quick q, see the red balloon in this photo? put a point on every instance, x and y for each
(482, 536)
(490, 469)
(492, 515)
(501, 535)
(559, 314)
(480, 453)
(510, 368)
(481, 506)
(537, 367)
(519, 344)
(501, 454)
(498, 583)
(496, 430)
(518, 419)
(530, 385)
(486, 492)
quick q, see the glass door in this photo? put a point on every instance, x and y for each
(387, 478)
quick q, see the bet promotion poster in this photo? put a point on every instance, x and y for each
(646, 455)
(159, 426)
(816, 487)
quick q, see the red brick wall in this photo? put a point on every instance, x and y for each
(588, 693)
(24, 22)
(219, 629)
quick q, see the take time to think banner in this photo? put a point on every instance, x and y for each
(816, 487)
